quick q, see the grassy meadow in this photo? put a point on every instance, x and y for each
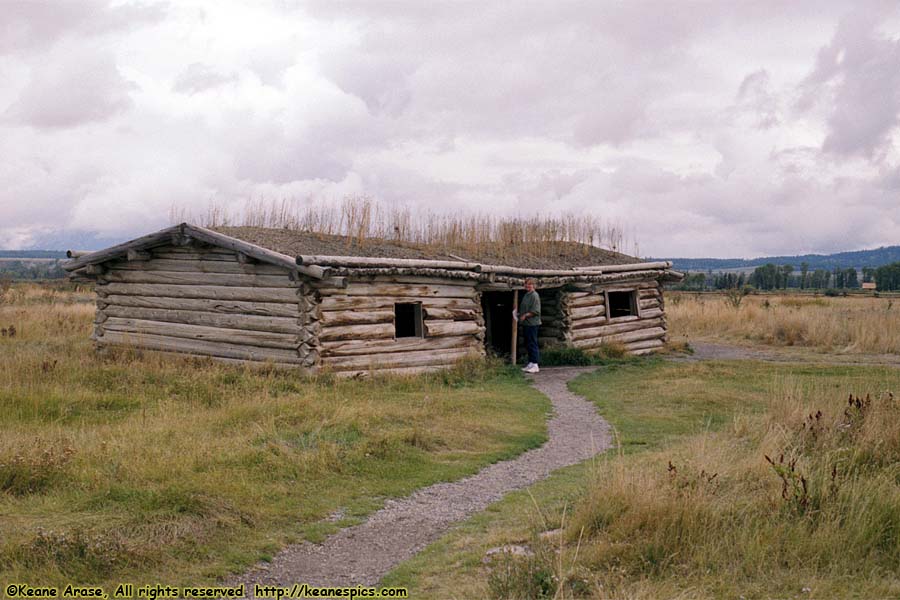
(850, 324)
(146, 468)
(689, 506)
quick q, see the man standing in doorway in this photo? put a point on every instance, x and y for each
(530, 317)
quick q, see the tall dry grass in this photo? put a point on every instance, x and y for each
(144, 467)
(803, 499)
(361, 218)
(843, 324)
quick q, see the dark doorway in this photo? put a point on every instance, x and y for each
(498, 321)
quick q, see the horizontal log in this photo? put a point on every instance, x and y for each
(402, 290)
(589, 322)
(401, 372)
(360, 347)
(300, 369)
(335, 283)
(645, 344)
(612, 329)
(203, 347)
(651, 313)
(622, 338)
(330, 303)
(627, 267)
(526, 272)
(356, 317)
(287, 325)
(263, 309)
(616, 285)
(648, 293)
(451, 314)
(211, 292)
(182, 278)
(264, 339)
(358, 332)
(191, 254)
(396, 359)
(648, 303)
(464, 278)
(365, 261)
(585, 301)
(450, 328)
(587, 312)
(637, 336)
(579, 278)
(201, 266)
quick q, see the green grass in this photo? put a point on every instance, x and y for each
(145, 468)
(689, 507)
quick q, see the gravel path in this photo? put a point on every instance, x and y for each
(363, 554)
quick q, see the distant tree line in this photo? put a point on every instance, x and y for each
(888, 277)
(24, 269)
(780, 277)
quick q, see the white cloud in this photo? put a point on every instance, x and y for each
(709, 129)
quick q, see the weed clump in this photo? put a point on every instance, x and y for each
(528, 574)
(24, 473)
(76, 552)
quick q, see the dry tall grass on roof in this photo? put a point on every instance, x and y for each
(362, 227)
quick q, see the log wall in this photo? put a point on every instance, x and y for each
(587, 325)
(207, 302)
(358, 331)
(215, 302)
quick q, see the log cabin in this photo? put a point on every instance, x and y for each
(353, 307)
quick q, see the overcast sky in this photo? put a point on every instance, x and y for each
(739, 128)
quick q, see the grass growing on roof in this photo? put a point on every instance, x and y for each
(691, 507)
(146, 468)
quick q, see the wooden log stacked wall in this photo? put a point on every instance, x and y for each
(358, 333)
(208, 302)
(588, 326)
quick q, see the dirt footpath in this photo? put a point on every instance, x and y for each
(363, 554)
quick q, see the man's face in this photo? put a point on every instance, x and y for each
(529, 286)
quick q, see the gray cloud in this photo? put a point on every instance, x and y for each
(73, 87)
(34, 25)
(674, 119)
(858, 74)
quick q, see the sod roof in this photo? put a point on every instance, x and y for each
(546, 255)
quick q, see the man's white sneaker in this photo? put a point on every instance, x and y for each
(533, 369)
(526, 367)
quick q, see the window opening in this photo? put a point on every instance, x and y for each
(408, 320)
(621, 304)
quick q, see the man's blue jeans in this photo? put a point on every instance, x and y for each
(531, 343)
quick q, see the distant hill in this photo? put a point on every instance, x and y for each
(841, 260)
(25, 254)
